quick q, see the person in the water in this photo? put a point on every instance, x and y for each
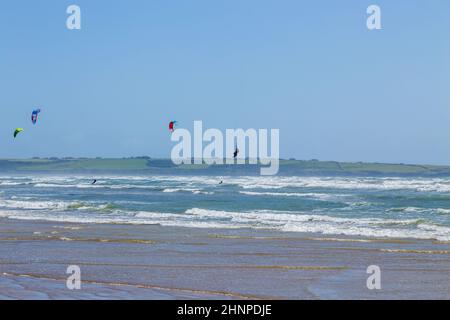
(95, 181)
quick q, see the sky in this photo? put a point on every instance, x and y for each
(336, 90)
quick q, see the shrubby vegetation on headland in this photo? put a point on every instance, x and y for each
(144, 164)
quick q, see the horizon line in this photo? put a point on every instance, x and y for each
(192, 158)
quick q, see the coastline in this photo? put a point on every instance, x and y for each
(157, 262)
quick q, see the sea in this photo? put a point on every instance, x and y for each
(382, 207)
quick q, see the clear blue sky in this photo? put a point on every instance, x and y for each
(336, 90)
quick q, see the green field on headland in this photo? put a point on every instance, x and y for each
(146, 164)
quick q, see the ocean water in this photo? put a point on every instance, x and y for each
(356, 206)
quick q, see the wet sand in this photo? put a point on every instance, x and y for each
(155, 262)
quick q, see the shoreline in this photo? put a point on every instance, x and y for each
(156, 262)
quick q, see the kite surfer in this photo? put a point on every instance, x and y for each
(236, 152)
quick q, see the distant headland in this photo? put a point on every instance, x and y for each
(145, 164)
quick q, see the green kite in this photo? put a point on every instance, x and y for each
(17, 131)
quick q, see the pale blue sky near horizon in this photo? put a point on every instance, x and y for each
(336, 90)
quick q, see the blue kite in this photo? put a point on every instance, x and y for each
(34, 115)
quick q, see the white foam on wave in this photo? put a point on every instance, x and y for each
(171, 190)
(441, 185)
(141, 218)
(276, 220)
(301, 222)
(409, 209)
(20, 215)
(288, 216)
(369, 183)
(443, 211)
(32, 205)
(89, 185)
(419, 210)
(319, 196)
(194, 191)
(11, 183)
(28, 203)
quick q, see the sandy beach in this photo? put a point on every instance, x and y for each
(119, 261)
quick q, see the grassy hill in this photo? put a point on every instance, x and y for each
(165, 166)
